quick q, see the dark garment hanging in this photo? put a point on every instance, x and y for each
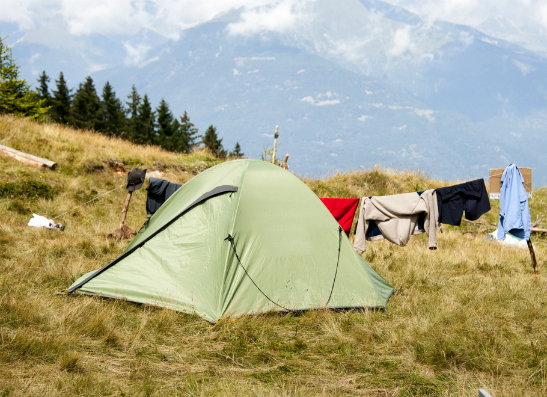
(470, 197)
(159, 190)
(343, 210)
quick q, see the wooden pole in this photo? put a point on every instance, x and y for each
(533, 255)
(125, 207)
(27, 158)
(275, 143)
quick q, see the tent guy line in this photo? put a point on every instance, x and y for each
(87, 202)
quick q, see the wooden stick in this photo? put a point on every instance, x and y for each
(125, 207)
(533, 255)
(275, 143)
(538, 230)
(28, 159)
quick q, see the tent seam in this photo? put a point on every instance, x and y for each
(232, 230)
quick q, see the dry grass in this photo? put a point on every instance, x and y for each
(468, 315)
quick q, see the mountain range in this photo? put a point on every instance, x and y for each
(351, 84)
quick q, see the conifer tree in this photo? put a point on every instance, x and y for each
(133, 111)
(237, 151)
(166, 131)
(43, 89)
(211, 141)
(86, 107)
(61, 101)
(15, 94)
(113, 121)
(145, 125)
(188, 134)
(176, 140)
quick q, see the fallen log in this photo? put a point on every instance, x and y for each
(28, 159)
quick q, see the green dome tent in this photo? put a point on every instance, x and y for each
(242, 237)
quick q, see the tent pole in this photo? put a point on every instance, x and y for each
(533, 255)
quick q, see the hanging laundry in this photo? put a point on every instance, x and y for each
(515, 215)
(159, 190)
(470, 197)
(374, 232)
(343, 210)
(397, 217)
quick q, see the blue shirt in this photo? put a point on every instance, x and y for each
(514, 211)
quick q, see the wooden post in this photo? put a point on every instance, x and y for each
(27, 158)
(275, 143)
(533, 255)
(125, 207)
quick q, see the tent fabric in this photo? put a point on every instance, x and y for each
(284, 236)
(343, 210)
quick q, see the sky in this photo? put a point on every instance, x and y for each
(170, 17)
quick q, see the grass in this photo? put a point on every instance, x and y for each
(468, 315)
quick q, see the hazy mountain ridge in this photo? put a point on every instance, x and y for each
(359, 83)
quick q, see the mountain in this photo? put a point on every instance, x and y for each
(353, 84)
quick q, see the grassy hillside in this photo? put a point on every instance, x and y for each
(468, 315)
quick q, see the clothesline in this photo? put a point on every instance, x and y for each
(93, 199)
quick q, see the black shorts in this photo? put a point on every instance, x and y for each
(470, 197)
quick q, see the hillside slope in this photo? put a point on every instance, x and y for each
(468, 315)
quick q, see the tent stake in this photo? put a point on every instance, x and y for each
(275, 143)
(533, 255)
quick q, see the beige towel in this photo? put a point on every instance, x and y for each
(397, 217)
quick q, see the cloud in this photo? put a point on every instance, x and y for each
(136, 54)
(170, 17)
(401, 41)
(26, 13)
(277, 17)
(473, 12)
(166, 17)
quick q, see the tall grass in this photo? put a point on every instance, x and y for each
(468, 315)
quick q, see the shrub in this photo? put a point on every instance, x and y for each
(28, 189)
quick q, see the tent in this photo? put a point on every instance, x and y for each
(242, 237)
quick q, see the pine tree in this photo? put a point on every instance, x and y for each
(188, 134)
(166, 130)
(61, 102)
(145, 125)
(237, 151)
(133, 110)
(43, 89)
(211, 141)
(113, 121)
(86, 107)
(15, 94)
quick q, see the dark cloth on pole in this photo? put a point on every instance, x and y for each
(159, 190)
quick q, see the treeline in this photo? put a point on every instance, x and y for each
(134, 119)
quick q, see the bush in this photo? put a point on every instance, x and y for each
(28, 189)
